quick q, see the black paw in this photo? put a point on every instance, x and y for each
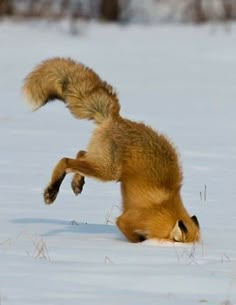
(77, 185)
(50, 194)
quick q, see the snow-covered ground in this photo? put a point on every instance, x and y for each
(181, 81)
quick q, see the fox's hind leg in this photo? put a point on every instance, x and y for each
(63, 167)
(84, 166)
(78, 182)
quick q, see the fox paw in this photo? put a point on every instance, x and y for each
(77, 184)
(50, 194)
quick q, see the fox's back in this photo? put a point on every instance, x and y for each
(148, 148)
(142, 153)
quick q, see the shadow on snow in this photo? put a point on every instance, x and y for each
(69, 226)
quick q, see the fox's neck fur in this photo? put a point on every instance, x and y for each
(137, 196)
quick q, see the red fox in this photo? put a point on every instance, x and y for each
(144, 161)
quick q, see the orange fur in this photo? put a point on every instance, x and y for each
(142, 160)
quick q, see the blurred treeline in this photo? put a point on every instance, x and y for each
(197, 11)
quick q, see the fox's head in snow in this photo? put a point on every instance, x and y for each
(186, 231)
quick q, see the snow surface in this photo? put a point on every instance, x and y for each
(178, 79)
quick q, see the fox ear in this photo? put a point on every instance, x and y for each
(178, 230)
(195, 220)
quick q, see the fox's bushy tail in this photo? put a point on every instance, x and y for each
(80, 88)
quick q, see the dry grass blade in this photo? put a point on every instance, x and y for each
(41, 250)
(109, 214)
(107, 260)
